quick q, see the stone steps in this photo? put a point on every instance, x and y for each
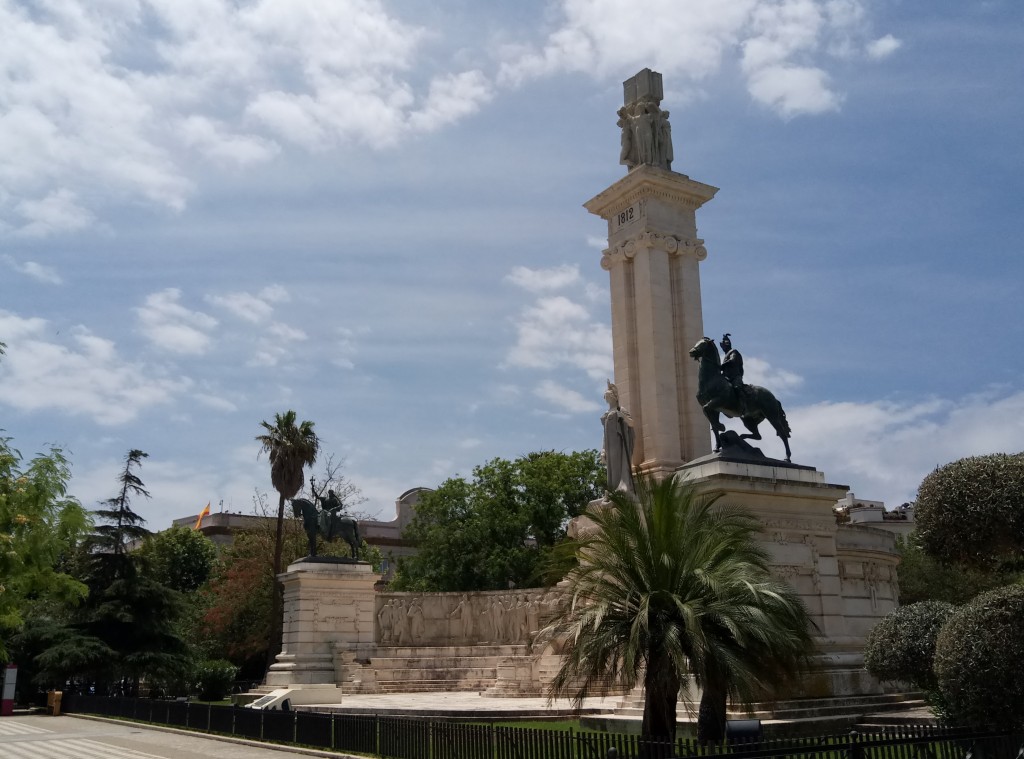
(429, 686)
(805, 707)
(419, 669)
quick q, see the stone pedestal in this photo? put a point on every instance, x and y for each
(327, 606)
(846, 575)
(652, 258)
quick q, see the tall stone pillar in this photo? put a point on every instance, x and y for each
(652, 260)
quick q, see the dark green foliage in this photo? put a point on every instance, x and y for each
(902, 645)
(676, 587)
(979, 661)
(127, 628)
(498, 527)
(214, 679)
(180, 558)
(972, 512)
(123, 526)
(925, 578)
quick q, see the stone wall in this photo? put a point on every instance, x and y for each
(492, 618)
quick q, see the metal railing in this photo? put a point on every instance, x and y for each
(404, 738)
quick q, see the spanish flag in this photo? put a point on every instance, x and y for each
(203, 513)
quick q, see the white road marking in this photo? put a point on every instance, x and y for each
(55, 747)
(13, 727)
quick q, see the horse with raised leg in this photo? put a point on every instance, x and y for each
(716, 395)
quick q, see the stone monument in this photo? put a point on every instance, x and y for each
(328, 605)
(652, 261)
(339, 632)
(846, 576)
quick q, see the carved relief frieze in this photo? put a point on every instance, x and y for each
(789, 571)
(797, 525)
(434, 619)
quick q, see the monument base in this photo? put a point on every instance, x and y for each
(327, 605)
(845, 574)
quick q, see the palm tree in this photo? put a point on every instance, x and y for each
(290, 448)
(671, 587)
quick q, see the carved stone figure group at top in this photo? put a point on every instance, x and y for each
(646, 135)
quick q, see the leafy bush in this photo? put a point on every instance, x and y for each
(925, 578)
(902, 645)
(979, 661)
(215, 679)
(971, 511)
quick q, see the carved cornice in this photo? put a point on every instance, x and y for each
(671, 244)
(650, 182)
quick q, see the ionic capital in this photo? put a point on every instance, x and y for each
(671, 244)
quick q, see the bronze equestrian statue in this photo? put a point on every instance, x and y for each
(718, 393)
(329, 523)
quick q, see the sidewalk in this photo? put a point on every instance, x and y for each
(45, 737)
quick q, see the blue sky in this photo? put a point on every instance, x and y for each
(370, 212)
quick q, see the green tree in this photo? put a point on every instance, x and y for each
(969, 512)
(979, 662)
(180, 558)
(127, 628)
(237, 623)
(925, 578)
(671, 587)
(497, 528)
(902, 645)
(290, 447)
(40, 526)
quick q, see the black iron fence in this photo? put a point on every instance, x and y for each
(395, 738)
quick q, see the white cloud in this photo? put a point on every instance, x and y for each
(780, 45)
(217, 143)
(883, 47)
(451, 98)
(123, 95)
(793, 90)
(566, 399)
(59, 211)
(245, 306)
(87, 378)
(255, 309)
(275, 294)
(540, 280)
(215, 402)
(346, 347)
(556, 331)
(759, 372)
(172, 327)
(275, 344)
(37, 271)
(883, 449)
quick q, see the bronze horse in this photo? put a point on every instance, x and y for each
(326, 523)
(716, 395)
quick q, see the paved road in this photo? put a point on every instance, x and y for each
(43, 737)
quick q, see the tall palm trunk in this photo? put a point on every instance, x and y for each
(276, 622)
